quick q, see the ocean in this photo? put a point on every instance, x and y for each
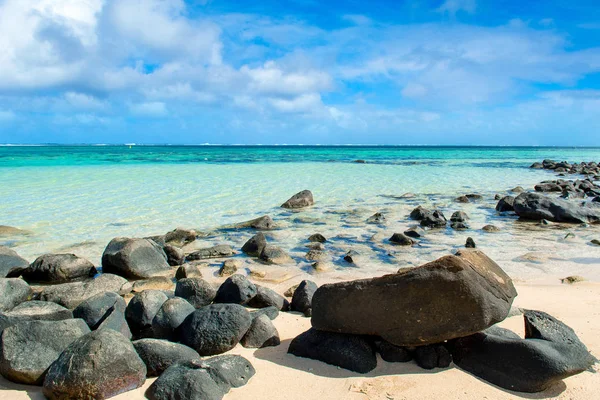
(77, 198)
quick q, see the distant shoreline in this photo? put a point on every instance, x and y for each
(434, 146)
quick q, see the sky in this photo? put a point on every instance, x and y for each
(457, 72)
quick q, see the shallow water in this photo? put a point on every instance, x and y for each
(76, 199)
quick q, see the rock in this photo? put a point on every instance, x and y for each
(462, 199)
(351, 352)
(266, 297)
(264, 223)
(321, 266)
(535, 206)
(233, 370)
(302, 298)
(415, 232)
(196, 291)
(419, 213)
(377, 218)
(215, 329)
(71, 294)
(517, 189)
(219, 251)
(30, 347)
(98, 365)
(38, 310)
(272, 312)
(596, 242)
(58, 268)
(459, 226)
(97, 308)
(290, 291)
(169, 318)
(537, 165)
(459, 216)
(255, 245)
(317, 237)
(188, 271)
(401, 239)
(299, 200)
(432, 356)
(349, 257)
(13, 291)
(262, 333)
(134, 258)
(548, 187)
(154, 283)
(490, 229)
(236, 289)
(470, 244)
(316, 255)
(434, 219)
(179, 237)
(175, 256)
(316, 246)
(12, 231)
(229, 267)
(141, 310)
(275, 255)
(392, 353)
(11, 263)
(158, 355)
(549, 353)
(456, 295)
(506, 204)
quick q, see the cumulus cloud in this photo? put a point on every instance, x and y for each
(150, 109)
(454, 6)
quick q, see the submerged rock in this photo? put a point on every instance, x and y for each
(434, 219)
(401, 239)
(275, 255)
(317, 237)
(134, 258)
(377, 218)
(264, 223)
(415, 232)
(219, 251)
(255, 245)
(300, 200)
(536, 206)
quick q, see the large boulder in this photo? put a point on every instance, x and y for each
(262, 333)
(300, 200)
(37, 310)
(142, 309)
(536, 206)
(13, 291)
(11, 263)
(215, 329)
(104, 310)
(236, 289)
(158, 355)
(134, 258)
(28, 348)
(255, 245)
(434, 219)
(352, 352)
(550, 352)
(98, 365)
(72, 294)
(58, 268)
(451, 297)
(179, 237)
(169, 318)
(507, 203)
(266, 297)
(196, 291)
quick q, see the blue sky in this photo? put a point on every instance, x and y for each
(499, 72)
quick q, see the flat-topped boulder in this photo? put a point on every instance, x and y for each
(218, 251)
(35, 310)
(58, 268)
(300, 200)
(134, 258)
(454, 296)
(535, 206)
(11, 263)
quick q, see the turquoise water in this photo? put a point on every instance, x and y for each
(76, 198)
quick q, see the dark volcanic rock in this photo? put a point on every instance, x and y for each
(188, 271)
(352, 352)
(506, 203)
(11, 263)
(236, 289)
(549, 353)
(196, 291)
(401, 239)
(377, 218)
(262, 333)
(392, 353)
(134, 258)
(419, 213)
(317, 237)
(98, 365)
(169, 318)
(434, 219)
(432, 356)
(13, 291)
(266, 297)
(232, 370)
(229, 267)
(30, 347)
(175, 256)
(272, 312)
(490, 229)
(218, 251)
(459, 216)
(141, 310)
(548, 187)
(215, 329)
(255, 245)
(415, 232)
(38, 310)
(264, 223)
(302, 298)
(459, 226)
(179, 237)
(158, 355)
(275, 255)
(536, 206)
(95, 309)
(455, 295)
(58, 268)
(299, 200)
(470, 244)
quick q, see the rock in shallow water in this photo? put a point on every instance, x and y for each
(275, 255)
(451, 297)
(300, 200)
(255, 245)
(219, 251)
(536, 206)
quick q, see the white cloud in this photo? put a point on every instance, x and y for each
(305, 103)
(81, 100)
(150, 109)
(453, 6)
(272, 79)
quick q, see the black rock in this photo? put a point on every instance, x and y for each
(236, 289)
(158, 355)
(459, 226)
(58, 268)
(302, 298)
(255, 245)
(419, 213)
(274, 255)
(98, 365)
(266, 297)
(300, 200)
(434, 219)
(535, 206)
(218, 251)
(30, 347)
(317, 237)
(262, 333)
(470, 244)
(432, 356)
(377, 218)
(95, 309)
(415, 232)
(459, 216)
(141, 310)
(175, 256)
(215, 329)
(506, 203)
(134, 258)
(13, 291)
(352, 352)
(232, 370)
(169, 318)
(196, 291)
(392, 353)
(11, 264)
(401, 239)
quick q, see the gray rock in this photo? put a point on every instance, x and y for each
(272, 312)
(169, 318)
(266, 297)
(302, 298)
(264, 223)
(434, 219)
(219, 251)
(401, 239)
(196, 291)
(229, 267)
(71, 294)
(300, 200)
(175, 256)
(536, 206)
(377, 218)
(352, 352)
(187, 381)
(232, 370)
(188, 271)
(419, 213)
(455, 295)
(158, 355)
(58, 268)
(262, 333)
(415, 232)
(490, 229)
(30, 347)
(470, 244)
(236, 289)
(99, 365)
(134, 258)
(548, 187)
(459, 226)
(459, 216)
(141, 310)
(215, 329)
(179, 237)
(104, 310)
(39, 310)
(13, 291)
(255, 245)
(505, 204)
(317, 237)
(11, 263)
(275, 255)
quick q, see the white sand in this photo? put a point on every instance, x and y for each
(286, 377)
